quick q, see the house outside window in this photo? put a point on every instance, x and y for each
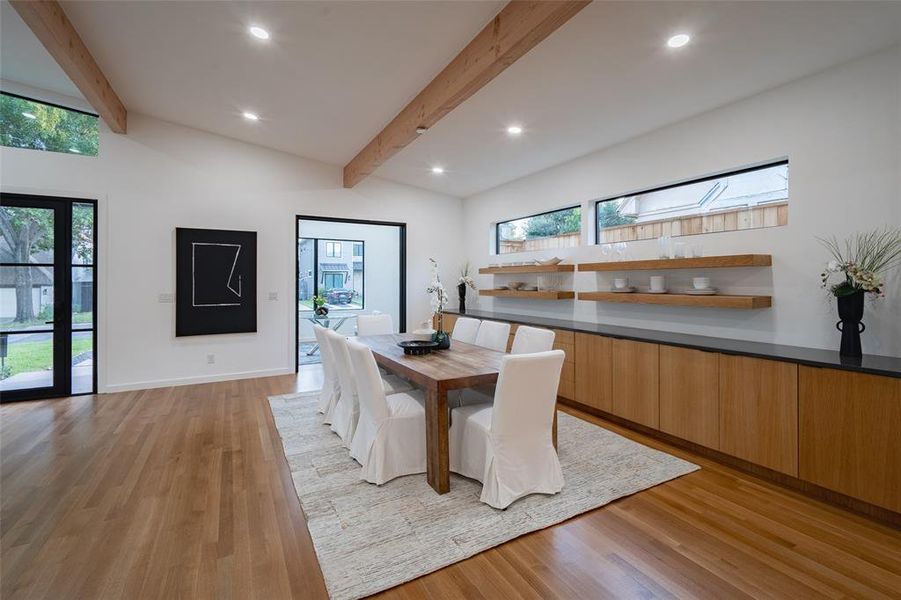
(744, 199)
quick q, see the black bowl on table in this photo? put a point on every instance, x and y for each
(418, 347)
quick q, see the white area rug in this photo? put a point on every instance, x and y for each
(371, 538)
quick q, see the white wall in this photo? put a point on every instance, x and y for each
(840, 129)
(161, 176)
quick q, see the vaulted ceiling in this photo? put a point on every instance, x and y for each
(334, 73)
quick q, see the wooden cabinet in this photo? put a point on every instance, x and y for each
(850, 428)
(449, 321)
(689, 395)
(758, 406)
(593, 365)
(563, 340)
(635, 375)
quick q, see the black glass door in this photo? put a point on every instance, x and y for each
(47, 297)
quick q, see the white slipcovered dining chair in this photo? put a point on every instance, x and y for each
(390, 436)
(347, 408)
(493, 335)
(330, 389)
(527, 340)
(375, 324)
(465, 330)
(509, 446)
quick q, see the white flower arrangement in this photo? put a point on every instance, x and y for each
(438, 294)
(862, 259)
(465, 278)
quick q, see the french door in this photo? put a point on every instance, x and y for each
(47, 297)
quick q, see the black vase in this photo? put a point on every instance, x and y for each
(461, 289)
(321, 311)
(443, 340)
(850, 312)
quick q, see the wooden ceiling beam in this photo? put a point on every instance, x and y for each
(517, 28)
(52, 27)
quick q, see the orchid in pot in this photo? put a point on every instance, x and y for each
(861, 261)
(464, 282)
(439, 300)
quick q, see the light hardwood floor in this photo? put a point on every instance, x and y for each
(185, 493)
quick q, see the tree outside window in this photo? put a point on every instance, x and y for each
(34, 125)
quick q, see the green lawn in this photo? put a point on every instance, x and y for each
(80, 317)
(38, 356)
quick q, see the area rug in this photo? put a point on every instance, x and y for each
(370, 538)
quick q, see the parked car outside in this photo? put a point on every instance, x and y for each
(339, 296)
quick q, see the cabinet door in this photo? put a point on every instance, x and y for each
(593, 364)
(636, 373)
(689, 395)
(850, 439)
(759, 411)
(449, 321)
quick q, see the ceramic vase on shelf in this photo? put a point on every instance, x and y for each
(461, 289)
(850, 313)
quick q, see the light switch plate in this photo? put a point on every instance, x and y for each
(273, 295)
(167, 298)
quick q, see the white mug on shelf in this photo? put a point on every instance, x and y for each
(658, 283)
(621, 283)
(701, 283)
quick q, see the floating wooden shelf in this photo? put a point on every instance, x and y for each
(703, 262)
(527, 269)
(539, 295)
(716, 301)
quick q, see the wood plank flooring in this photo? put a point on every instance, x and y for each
(185, 493)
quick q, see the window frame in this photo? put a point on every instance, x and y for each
(497, 225)
(61, 107)
(759, 167)
(332, 247)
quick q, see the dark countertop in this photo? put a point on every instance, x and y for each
(873, 364)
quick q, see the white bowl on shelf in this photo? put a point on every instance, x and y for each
(549, 262)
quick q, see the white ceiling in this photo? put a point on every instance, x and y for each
(24, 60)
(607, 76)
(334, 73)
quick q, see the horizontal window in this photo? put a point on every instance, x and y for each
(26, 123)
(556, 229)
(745, 199)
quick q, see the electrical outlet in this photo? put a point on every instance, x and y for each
(167, 298)
(210, 359)
(273, 295)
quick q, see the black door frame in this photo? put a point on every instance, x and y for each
(62, 291)
(402, 231)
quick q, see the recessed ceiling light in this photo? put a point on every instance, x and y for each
(437, 170)
(514, 130)
(259, 33)
(28, 115)
(679, 40)
(251, 116)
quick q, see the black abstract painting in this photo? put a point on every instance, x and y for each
(215, 281)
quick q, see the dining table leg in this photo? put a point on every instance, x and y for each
(436, 440)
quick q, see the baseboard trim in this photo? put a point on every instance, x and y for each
(147, 385)
(860, 507)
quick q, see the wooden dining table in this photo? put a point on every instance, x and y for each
(460, 366)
